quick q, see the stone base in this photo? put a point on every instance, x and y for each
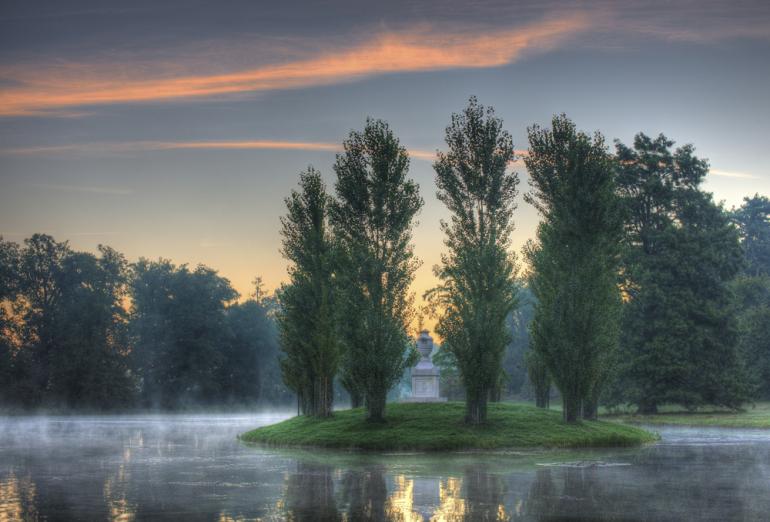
(424, 399)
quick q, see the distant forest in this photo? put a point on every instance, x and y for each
(84, 331)
(95, 332)
(639, 290)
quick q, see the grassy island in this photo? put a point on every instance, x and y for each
(440, 427)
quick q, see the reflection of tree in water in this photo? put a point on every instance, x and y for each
(579, 498)
(310, 494)
(542, 494)
(17, 498)
(478, 495)
(365, 494)
(484, 493)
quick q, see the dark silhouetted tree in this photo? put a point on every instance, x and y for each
(179, 326)
(679, 342)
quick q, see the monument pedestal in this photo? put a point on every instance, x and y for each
(425, 375)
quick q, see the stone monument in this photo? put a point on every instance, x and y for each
(425, 375)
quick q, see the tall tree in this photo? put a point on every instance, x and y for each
(575, 261)
(40, 268)
(477, 289)
(753, 220)
(752, 303)
(89, 368)
(752, 290)
(243, 375)
(14, 369)
(71, 343)
(179, 327)
(373, 218)
(679, 336)
(307, 319)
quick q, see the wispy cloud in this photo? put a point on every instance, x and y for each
(731, 174)
(110, 147)
(86, 189)
(129, 147)
(41, 90)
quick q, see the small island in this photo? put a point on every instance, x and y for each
(440, 427)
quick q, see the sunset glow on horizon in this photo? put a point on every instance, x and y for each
(176, 131)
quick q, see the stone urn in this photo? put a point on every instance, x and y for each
(425, 375)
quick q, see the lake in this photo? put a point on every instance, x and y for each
(192, 467)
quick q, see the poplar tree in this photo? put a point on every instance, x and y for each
(307, 316)
(574, 263)
(477, 289)
(373, 219)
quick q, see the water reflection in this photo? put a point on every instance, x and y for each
(17, 498)
(193, 468)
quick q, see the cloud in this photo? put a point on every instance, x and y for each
(64, 86)
(148, 146)
(730, 174)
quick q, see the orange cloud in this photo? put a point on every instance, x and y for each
(44, 91)
(140, 146)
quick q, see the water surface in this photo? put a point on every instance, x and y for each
(191, 467)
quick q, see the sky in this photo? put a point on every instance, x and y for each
(175, 129)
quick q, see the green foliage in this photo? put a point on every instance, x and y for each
(752, 291)
(248, 373)
(450, 383)
(373, 218)
(679, 331)
(753, 220)
(537, 372)
(440, 427)
(307, 317)
(179, 324)
(574, 262)
(67, 339)
(752, 306)
(64, 331)
(477, 289)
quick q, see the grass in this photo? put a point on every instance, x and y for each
(440, 427)
(756, 416)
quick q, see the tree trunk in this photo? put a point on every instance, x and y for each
(375, 406)
(495, 393)
(322, 397)
(476, 406)
(356, 399)
(543, 397)
(591, 409)
(571, 407)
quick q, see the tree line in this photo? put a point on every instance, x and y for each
(639, 288)
(95, 332)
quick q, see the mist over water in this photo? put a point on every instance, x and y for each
(192, 467)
